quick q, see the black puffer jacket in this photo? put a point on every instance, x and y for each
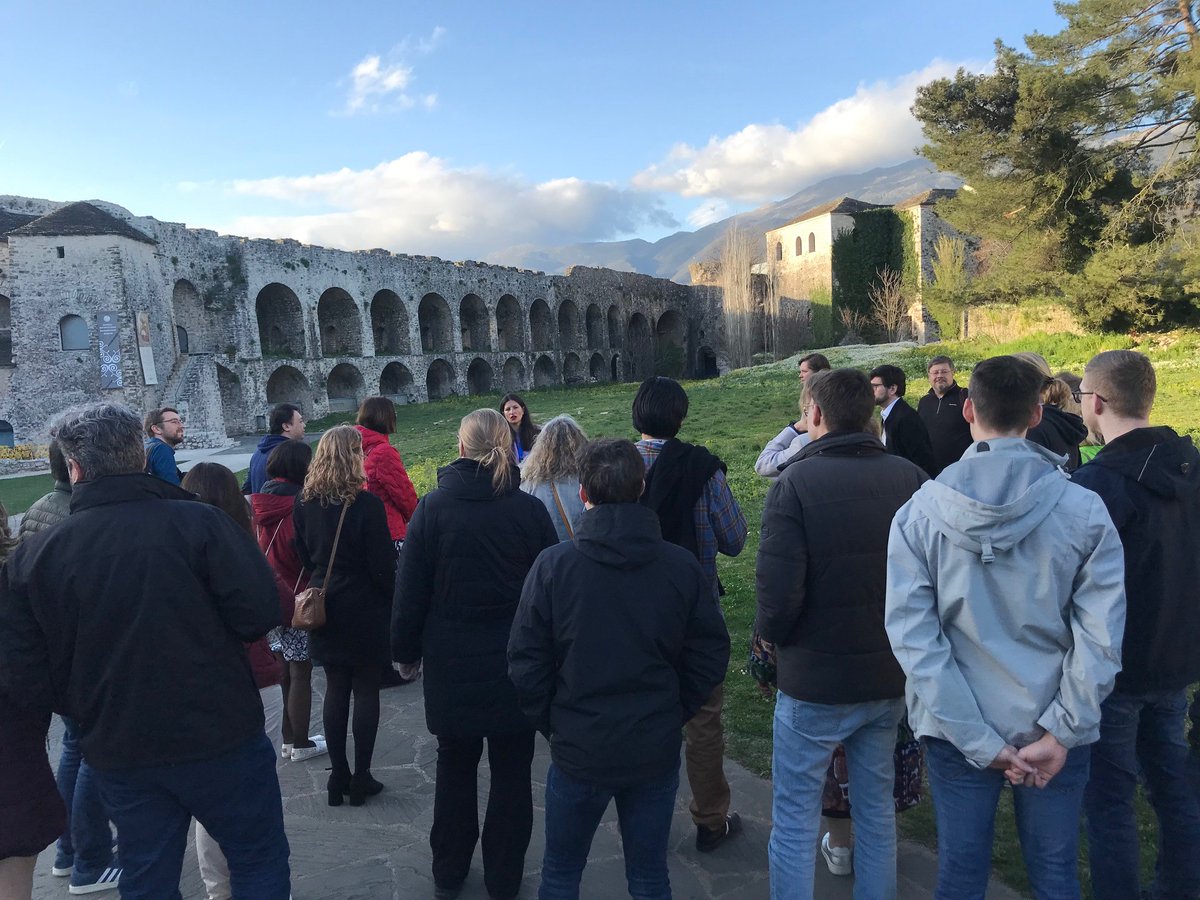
(1060, 432)
(617, 643)
(1150, 481)
(822, 565)
(130, 615)
(465, 558)
(949, 432)
(358, 600)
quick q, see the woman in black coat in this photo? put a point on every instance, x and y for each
(469, 546)
(352, 646)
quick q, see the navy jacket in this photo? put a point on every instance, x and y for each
(1150, 481)
(618, 641)
(257, 476)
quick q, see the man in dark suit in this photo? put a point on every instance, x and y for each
(904, 434)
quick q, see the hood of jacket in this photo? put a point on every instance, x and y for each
(1156, 458)
(269, 442)
(466, 479)
(621, 535)
(993, 497)
(371, 439)
(270, 509)
(1067, 427)
(128, 488)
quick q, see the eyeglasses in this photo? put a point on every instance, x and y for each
(172, 421)
(877, 384)
(1079, 395)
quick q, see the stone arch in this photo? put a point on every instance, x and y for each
(389, 324)
(670, 353)
(572, 369)
(479, 377)
(514, 374)
(433, 315)
(287, 384)
(545, 372)
(345, 387)
(708, 363)
(233, 402)
(339, 323)
(510, 324)
(614, 327)
(280, 321)
(639, 362)
(568, 326)
(396, 382)
(190, 324)
(597, 370)
(6, 355)
(595, 326)
(812, 243)
(73, 333)
(615, 367)
(541, 327)
(439, 380)
(7, 436)
(473, 322)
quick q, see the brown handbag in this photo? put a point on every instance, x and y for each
(310, 602)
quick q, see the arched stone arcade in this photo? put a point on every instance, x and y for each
(670, 355)
(510, 324)
(439, 380)
(437, 330)
(345, 388)
(473, 323)
(389, 325)
(339, 324)
(570, 334)
(280, 321)
(545, 372)
(541, 326)
(479, 377)
(514, 374)
(396, 383)
(287, 384)
(596, 337)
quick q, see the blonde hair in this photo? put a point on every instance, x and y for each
(487, 440)
(336, 474)
(1054, 391)
(556, 454)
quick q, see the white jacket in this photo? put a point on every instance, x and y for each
(1005, 602)
(781, 449)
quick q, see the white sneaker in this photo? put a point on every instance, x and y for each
(839, 859)
(285, 751)
(299, 754)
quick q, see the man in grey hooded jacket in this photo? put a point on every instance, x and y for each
(1005, 608)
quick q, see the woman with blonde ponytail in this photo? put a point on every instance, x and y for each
(469, 546)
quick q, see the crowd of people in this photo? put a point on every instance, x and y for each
(960, 591)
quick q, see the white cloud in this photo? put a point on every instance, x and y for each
(420, 204)
(379, 84)
(708, 212)
(761, 162)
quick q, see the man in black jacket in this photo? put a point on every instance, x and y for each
(941, 411)
(1149, 478)
(904, 433)
(130, 617)
(617, 642)
(821, 576)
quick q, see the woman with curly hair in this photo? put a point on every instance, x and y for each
(352, 645)
(551, 473)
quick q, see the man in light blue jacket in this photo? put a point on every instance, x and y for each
(1005, 608)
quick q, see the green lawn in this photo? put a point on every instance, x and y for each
(18, 493)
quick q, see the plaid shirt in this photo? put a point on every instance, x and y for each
(720, 525)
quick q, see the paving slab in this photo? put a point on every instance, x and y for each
(380, 851)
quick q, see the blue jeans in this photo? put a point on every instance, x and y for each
(234, 795)
(1142, 732)
(964, 802)
(805, 735)
(573, 812)
(87, 842)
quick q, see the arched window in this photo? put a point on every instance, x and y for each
(181, 336)
(73, 332)
(799, 246)
(6, 434)
(779, 250)
(812, 243)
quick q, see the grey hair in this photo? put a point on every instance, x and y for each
(555, 456)
(102, 439)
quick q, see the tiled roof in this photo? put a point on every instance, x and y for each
(11, 220)
(926, 198)
(842, 206)
(80, 219)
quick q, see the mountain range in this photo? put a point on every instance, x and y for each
(669, 257)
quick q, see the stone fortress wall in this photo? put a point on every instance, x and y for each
(236, 325)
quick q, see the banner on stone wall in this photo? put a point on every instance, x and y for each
(109, 329)
(145, 351)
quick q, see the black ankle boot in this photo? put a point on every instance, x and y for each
(338, 784)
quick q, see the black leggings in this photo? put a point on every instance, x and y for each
(340, 682)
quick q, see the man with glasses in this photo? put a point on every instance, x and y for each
(904, 433)
(941, 412)
(1149, 478)
(164, 432)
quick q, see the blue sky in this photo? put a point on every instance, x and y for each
(464, 129)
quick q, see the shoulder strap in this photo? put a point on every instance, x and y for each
(271, 543)
(562, 512)
(336, 537)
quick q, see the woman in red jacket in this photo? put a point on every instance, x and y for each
(386, 476)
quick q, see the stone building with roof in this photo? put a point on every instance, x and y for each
(98, 304)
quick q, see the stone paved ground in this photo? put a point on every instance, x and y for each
(380, 851)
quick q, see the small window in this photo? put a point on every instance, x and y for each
(182, 336)
(62, 251)
(5, 332)
(812, 243)
(799, 246)
(6, 434)
(73, 332)
(779, 250)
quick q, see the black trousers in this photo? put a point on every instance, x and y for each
(509, 820)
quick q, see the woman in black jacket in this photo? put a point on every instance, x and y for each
(352, 646)
(468, 549)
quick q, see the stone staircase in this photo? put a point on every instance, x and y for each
(193, 389)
